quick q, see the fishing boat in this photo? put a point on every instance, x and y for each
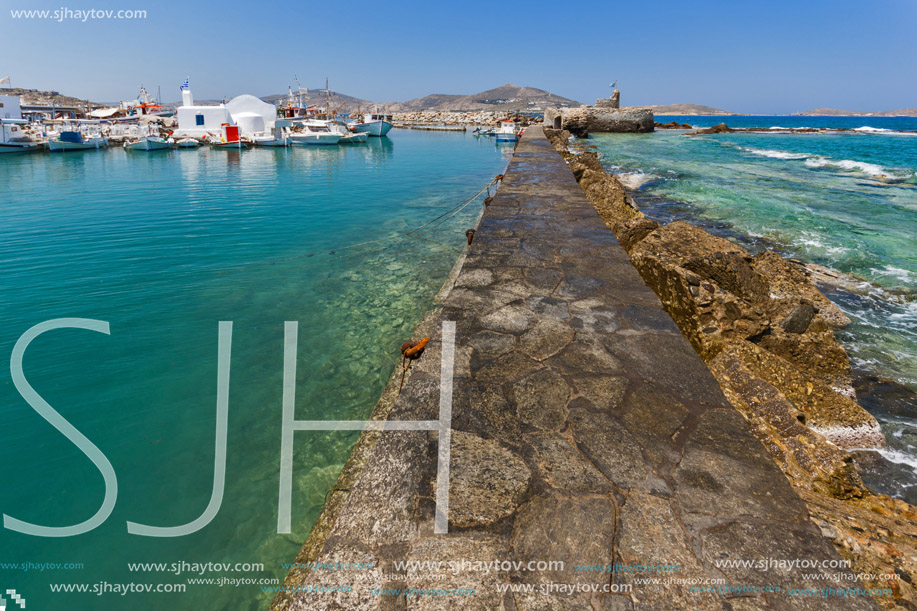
(347, 136)
(71, 140)
(150, 143)
(229, 139)
(354, 138)
(374, 124)
(237, 145)
(313, 133)
(188, 143)
(506, 132)
(13, 138)
(145, 105)
(277, 137)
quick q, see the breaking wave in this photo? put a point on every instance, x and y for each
(635, 180)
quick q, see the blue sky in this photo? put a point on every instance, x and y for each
(757, 57)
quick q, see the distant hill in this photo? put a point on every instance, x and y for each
(687, 109)
(835, 112)
(505, 98)
(316, 97)
(47, 98)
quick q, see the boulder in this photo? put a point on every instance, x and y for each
(836, 417)
(789, 285)
(722, 128)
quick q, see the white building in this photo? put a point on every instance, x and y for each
(248, 112)
(251, 114)
(10, 107)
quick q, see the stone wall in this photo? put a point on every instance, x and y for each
(589, 119)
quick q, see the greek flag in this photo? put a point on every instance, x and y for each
(184, 85)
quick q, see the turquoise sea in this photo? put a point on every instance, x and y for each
(163, 246)
(846, 200)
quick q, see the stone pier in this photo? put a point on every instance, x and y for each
(585, 431)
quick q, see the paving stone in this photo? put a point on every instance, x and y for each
(490, 344)
(746, 541)
(553, 307)
(546, 338)
(513, 318)
(563, 467)
(650, 534)
(582, 356)
(605, 392)
(487, 481)
(572, 530)
(611, 448)
(457, 550)
(541, 398)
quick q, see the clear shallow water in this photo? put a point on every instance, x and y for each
(163, 246)
(844, 200)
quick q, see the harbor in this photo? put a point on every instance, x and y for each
(146, 125)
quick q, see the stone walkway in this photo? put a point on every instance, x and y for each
(586, 430)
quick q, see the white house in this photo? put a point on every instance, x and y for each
(248, 112)
(200, 120)
(9, 107)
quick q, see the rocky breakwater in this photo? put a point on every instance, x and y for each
(766, 333)
(461, 118)
(591, 119)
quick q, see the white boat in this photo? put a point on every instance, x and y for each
(373, 124)
(13, 138)
(76, 141)
(277, 137)
(347, 137)
(188, 143)
(506, 132)
(236, 145)
(150, 143)
(354, 138)
(313, 133)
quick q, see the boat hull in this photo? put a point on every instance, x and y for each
(354, 138)
(20, 148)
(314, 139)
(506, 137)
(59, 146)
(149, 145)
(272, 142)
(373, 128)
(229, 146)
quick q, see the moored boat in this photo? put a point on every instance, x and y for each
(76, 141)
(374, 124)
(13, 138)
(313, 133)
(354, 138)
(188, 143)
(229, 139)
(150, 143)
(506, 132)
(277, 137)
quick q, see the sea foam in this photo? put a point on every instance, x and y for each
(635, 180)
(777, 154)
